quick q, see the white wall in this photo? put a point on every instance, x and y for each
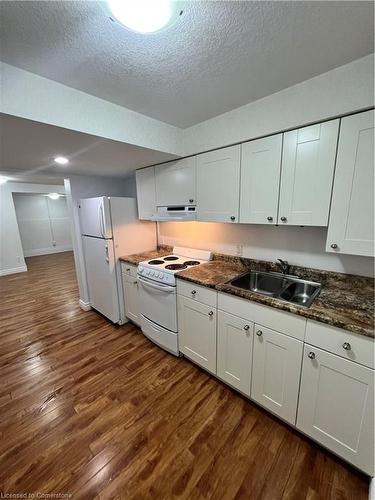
(303, 246)
(31, 96)
(77, 187)
(43, 223)
(343, 90)
(11, 253)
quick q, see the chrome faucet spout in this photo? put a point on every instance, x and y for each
(283, 265)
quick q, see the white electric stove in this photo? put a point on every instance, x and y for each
(158, 295)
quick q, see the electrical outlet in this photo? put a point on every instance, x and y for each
(239, 250)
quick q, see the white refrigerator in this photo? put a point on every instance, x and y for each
(110, 228)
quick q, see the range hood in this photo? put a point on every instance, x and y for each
(175, 212)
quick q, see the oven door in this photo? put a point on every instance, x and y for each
(158, 303)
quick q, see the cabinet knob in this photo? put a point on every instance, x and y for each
(191, 200)
(334, 246)
(127, 269)
(246, 328)
(346, 346)
(211, 313)
(193, 292)
(135, 282)
(232, 217)
(259, 333)
(283, 219)
(269, 218)
(311, 355)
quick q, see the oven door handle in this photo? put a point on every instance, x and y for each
(161, 288)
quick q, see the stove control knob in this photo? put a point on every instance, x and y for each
(140, 269)
(161, 276)
(147, 271)
(156, 274)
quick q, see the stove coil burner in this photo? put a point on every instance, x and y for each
(171, 257)
(156, 262)
(191, 262)
(175, 267)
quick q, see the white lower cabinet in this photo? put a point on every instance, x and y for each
(277, 362)
(336, 406)
(234, 351)
(197, 332)
(131, 298)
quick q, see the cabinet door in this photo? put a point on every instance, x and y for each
(131, 298)
(218, 185)
(234, 351)
(260, 180)
(351, 224)
(197, 332)
(175, 182)
(336, 406)
(146, 197)
(307, 173)
(277, 362)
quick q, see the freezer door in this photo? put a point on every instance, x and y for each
(101, 276)
(95, 217)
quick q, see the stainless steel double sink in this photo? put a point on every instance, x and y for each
(279, 286)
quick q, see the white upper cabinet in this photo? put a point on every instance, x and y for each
(260, 180)
(351, 224)
(146, 196)
(218, 185)
(307, 174)
(176, 183)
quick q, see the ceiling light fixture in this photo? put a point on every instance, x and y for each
(3, 179)
(61, 160)
(54, 196)
(144, 16)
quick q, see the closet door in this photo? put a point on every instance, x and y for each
(351, 224)
(218, 185)
(307, 170)
(260, 180)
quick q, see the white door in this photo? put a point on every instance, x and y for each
(175, 182)
(260, 180)
(146, 196)
(307, 170)
(197, 332)
(234, 351)
(336, 406)
(95, 217)
(101, 276)
(351, 224)
(218, 185)
(277, 362)
(131, 298)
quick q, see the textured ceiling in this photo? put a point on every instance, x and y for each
(219, 55)
(28, 148)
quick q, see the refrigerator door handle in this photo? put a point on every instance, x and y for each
(106, 254)
(101, 221)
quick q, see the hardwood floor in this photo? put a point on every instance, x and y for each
(95, 410)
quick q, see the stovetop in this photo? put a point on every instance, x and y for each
(162, 269)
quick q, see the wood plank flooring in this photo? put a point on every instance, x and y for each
(95, 410)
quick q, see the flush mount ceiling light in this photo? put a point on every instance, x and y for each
(54, 196)
(61, 160)
(144, 16)
(3, 179)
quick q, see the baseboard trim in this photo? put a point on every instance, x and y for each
(86, 306)
(47, 251)
(14, 270)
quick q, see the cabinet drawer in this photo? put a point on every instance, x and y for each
(129, 269)
(197, 292)
(284, 322)
(345, 344)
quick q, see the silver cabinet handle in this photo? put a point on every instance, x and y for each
(270, 219)
(283, 219)
(334, 246)
(246, 328)
(346, 346)
(311, 355)
(232, 217)
(193, 292)
(191, 200)
(211, 313)
(259, 333)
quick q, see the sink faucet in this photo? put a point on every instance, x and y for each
(283, 265)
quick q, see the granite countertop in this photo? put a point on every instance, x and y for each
(151, 254)
(346, 301)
